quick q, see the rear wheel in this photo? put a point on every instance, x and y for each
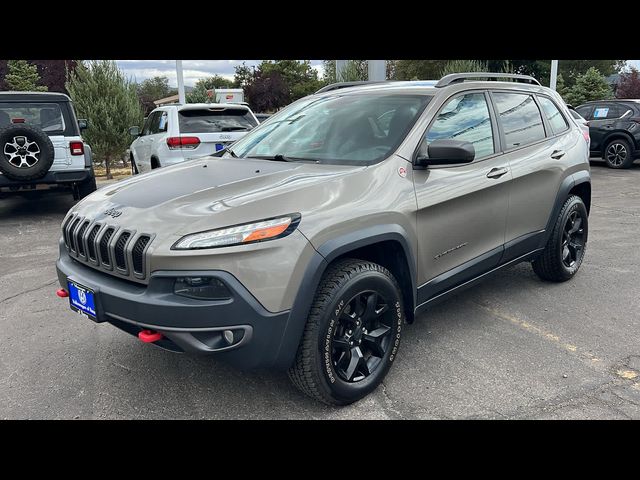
(352, 333)
(618, 154)
(564, 252)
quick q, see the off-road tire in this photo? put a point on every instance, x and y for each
(44, 157)
(549, 265)
(609, 154)
(310, 371)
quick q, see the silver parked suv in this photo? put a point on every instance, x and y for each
(307, 244)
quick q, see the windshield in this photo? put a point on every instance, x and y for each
(215, 120)
(360, 128)
(46, 116)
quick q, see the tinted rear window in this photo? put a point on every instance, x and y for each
(46, 116)
(215, 120)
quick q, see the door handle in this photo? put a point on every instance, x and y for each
(557, 154)
(497, 172)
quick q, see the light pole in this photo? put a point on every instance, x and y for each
(181, 96)
(554, 74)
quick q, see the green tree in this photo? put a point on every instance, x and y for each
(244, 75)
(354, 70)
(199, 92)
(23, 77)
(299, 76)
(109, 101)
(153, 89)
(561, 87)
(591, 85)
(461, 66)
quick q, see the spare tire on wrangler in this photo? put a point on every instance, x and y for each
(26, 152)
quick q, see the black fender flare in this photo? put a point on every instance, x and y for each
(566, 186)
(325, 254)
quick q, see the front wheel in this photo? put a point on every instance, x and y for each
(564, 252)
(352, 334)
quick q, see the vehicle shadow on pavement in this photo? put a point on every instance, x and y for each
(35, 205)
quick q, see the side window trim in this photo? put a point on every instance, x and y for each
(446, 101)
(546, 124)
(545, 119)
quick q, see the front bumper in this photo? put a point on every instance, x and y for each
(187, 325)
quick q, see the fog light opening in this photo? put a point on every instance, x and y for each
(201, 288)
(228, 336)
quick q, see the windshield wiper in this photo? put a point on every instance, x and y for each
(283, 158)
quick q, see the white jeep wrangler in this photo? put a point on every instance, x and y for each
(40, 145)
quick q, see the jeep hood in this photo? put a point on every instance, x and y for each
(212, 193)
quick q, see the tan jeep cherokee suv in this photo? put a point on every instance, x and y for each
(307, 244)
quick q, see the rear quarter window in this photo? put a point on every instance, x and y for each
(554, 116)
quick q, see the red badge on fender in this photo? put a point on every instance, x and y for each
(402, 172)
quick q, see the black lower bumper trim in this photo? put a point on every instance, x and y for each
(187, 325)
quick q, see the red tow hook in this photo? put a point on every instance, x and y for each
(149, 336)
(62, 293)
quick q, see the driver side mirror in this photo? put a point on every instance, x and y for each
(134, 131)
(445, 152)
(83, 123)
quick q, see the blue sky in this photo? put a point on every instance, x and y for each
(195, 69)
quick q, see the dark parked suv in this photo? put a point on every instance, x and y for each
(308, 243)
(614, 127)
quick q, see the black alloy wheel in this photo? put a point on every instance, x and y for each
(362, 337)
(573, 240)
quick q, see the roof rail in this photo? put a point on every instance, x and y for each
(461, 77)
(336, 86)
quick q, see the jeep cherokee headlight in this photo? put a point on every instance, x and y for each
(268, 229)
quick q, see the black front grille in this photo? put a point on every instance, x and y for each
(72, 239)
(91, 246)
(104, 246)
(120, 257)
(79, 242)
(138, 254)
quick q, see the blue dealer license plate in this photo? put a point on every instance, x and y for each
(82, 300)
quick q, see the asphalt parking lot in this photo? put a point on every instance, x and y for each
(512, 347)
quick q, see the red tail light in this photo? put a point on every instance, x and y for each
(177, 143)
(17, 120)
(76, 148)
(585, 134)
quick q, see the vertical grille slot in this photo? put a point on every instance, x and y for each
(104, 246)
(72, 240)
(79, 242)
(65, 232)
(119, 251)
(138, 254)
(91, 245)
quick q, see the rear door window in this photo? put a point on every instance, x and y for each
(556, 119)
(46, 116)
(607, 111)
(215, 120)
(520, 118)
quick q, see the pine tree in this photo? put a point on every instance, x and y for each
(109, 101)
(591, 85)
(23, 77)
